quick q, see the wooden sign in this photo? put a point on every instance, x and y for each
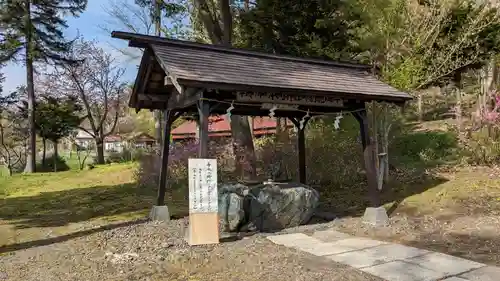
(312, 100)
(280, 106)
(203, 202)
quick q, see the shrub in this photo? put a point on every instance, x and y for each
(126, 155)
(334, 158)
(148, 172)
(424, 147)
(480, 149)
(115, 157)
(49, 165)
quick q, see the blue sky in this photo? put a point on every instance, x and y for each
(89, 25)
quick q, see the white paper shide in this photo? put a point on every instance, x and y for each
(203, 186)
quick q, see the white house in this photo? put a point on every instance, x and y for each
(113, 143)
(84, 139)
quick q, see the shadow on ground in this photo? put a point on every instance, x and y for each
(476, 247)
(63, 238)
(468, 229)
(60, 208)
(353, 200)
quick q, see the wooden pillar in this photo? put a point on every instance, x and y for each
(368, 156)
(301, 144)
(170, 117)
(203, 112)
(301, 147)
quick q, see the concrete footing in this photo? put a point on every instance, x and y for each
(159, 213)
(376, 216)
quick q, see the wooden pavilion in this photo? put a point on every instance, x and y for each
(179, 76)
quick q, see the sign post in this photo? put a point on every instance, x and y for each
(203, 202)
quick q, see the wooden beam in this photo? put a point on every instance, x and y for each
(369, 157)
(170, 117)
(269, 89)
(153, 98)
(290, 99)
(203, 112)
(149, 69)
(257, 111)
(170, 79)
(186, 98)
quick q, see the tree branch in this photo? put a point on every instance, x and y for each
(210, 21)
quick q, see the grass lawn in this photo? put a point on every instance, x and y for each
(46, 205)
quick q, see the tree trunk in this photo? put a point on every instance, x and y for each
(56, 155)
(278, 127)
(419, 108)
(219, 26)
(490, 73)
(251, 123)
(158, 133)
(488, 84)
(458, 104)
(243, 148)
(387, 129)
(44, 153)
(99, 150)
(157, 113)
(31, 147)
(376, 144)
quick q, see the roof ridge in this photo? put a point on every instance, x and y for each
(142, 41)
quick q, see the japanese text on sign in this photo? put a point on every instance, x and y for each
(277, 98)
(203, 186)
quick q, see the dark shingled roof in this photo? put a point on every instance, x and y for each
(202, 63)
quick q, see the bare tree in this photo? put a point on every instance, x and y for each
(96, 80)
(145, 17)
(130, 17)
(11, 150)
(82, 153)
(13, 134)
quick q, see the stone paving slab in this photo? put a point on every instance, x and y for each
(293, 239)
(447, 264)
(319, 248)
(342, 246)
(392, 262)
(324, 249)
(487, 273)
(403, 271)
(358, 243)
(377, 255)
(333, 248)
(330, 235)
(454, 279)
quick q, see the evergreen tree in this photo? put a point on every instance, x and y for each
(57, 118)
(321, 29)
(31, 30)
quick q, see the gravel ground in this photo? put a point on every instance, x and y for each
(151, 251)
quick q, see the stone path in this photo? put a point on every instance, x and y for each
(389, 261)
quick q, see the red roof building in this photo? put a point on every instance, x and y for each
(219, 126)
